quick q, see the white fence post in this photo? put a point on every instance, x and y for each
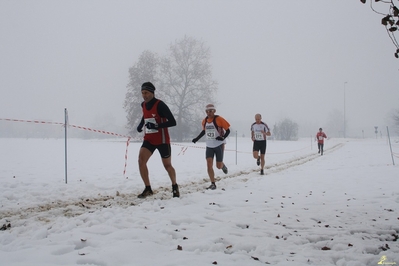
(389, 139)
(66, 150)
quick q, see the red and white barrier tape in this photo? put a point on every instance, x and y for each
(79, 127)
(182, 151)
(127, 145)
(100, 131)
(185, 147)
(31, 121)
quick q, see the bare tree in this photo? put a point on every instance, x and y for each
(187, 85)
(144, 70)
(286, 130)
(390, 20)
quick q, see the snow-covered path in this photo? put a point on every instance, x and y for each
(336, 209)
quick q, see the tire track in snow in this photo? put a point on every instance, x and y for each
(48, 211)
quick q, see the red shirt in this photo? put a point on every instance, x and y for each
(320, 136)
(155, 136)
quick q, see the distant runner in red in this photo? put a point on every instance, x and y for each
(320, 136)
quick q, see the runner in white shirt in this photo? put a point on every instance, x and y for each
(216, 129)
(259, 131)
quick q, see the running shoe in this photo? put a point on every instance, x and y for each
(225, 170)
(146, 193)
(258, 161)
(261, 172)
(212, 187)
(175, 191)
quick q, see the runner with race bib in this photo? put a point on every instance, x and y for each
(259, 131)
(216, 129)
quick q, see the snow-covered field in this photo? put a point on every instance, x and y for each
(337, 209)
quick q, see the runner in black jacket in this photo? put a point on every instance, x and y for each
(156, 119)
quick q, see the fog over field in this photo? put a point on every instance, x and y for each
(309, 61)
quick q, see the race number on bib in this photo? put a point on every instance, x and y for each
(210, 133)
(259, 135)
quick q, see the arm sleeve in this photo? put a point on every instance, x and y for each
(164, 111)
(226, 134)
(201, 134)
(141, 123)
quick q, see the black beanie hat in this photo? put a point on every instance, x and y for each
(148, 86)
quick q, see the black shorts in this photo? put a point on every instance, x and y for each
(217, 151)
(164, 149)
(259, 146)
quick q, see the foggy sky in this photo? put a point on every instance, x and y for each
(278, 58)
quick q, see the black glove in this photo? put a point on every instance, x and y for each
(150, 125)
(220, 138)
(139, 128)
(195, 140)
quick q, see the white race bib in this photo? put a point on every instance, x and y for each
(150, 131)
(259, 135)
(210, 133)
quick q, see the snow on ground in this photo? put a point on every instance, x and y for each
(337, 209)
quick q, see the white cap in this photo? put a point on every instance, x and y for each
(210, 107)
